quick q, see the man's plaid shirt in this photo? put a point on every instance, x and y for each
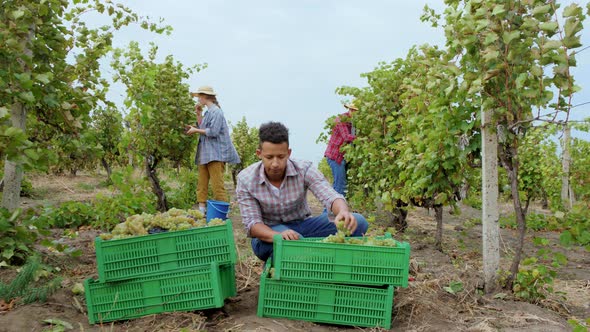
(261, 203)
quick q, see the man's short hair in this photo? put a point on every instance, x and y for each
(273, 132)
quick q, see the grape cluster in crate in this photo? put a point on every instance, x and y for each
(173, 220)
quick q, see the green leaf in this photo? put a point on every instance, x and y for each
(572, 26)
(7, 252)
(78, 288)
(3, 112)
(490, 38)
(552, 44)
(560, 258)
(27, 96)
(498, 9)
(44, 78)
(507, 37)
(59, 322)
(23, 77)
(66, 106)
(18, 14)
(572, 42)
(441, 198)
(46, 243)
(31, 154)
(43, 10)
(539, 241)
(15, 214)
(541, 9)
(520, 80)
(482, 24)
(572, 10)
(12, 131)
(454, 287)
(566, 238)
(76, 253)
(490, 55)
(536, 71)
(549, 27)
(529, 261)
(385, 197)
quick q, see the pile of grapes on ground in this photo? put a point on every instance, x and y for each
(166, 262)
(338, 279)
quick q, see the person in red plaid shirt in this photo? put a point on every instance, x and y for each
(272, 196)
(342, 133)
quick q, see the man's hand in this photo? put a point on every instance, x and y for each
(348, 219)
(340, 208)
(290, 235)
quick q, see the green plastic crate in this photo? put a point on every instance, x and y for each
(228, 280)
(134, 257)
(181, 290)
(310, 259)
(325, 303)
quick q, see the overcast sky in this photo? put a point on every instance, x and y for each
(279, 60)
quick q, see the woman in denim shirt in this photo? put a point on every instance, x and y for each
(215, 147)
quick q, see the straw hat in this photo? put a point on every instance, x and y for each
(205, 90)
(351, 106)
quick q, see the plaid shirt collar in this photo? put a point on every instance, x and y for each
(291, 171)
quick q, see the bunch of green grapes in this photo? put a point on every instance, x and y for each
(106, 236)
(340, 237)
(178, 222)
(133, 226)
(174, 212)
(159, 220)
(216, 221)
(200, 222)
(335, 238)
(173, 220)
(355, 240)
(144, 218)
(120, 229)
(341, 228)
(195, 214)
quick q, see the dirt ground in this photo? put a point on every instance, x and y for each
(423, 306)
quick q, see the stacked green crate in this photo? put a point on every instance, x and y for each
(174, 271)
(338, 283)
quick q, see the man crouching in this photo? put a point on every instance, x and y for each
(272, 195)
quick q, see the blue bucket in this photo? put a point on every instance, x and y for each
(217, 209)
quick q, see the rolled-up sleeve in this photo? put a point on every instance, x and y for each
(320, 187)
(214, 126)
(249, 207)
